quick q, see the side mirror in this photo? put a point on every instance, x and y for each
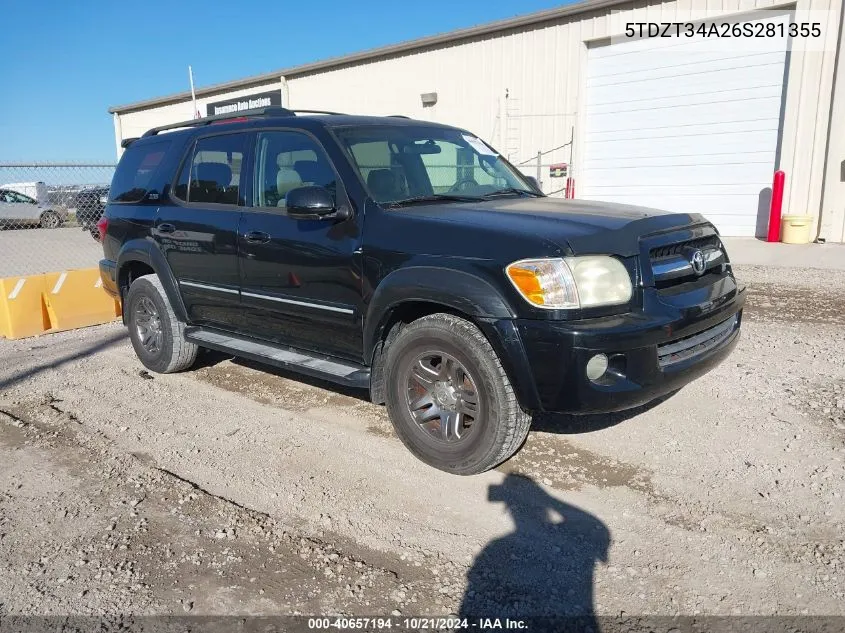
(310, 203)
(533, 182)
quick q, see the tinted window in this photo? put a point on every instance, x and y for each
(285, 161)
(212, 175)
(136, 170)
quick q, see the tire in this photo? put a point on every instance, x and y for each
(500, 425)
(173, 353)
(50, 220)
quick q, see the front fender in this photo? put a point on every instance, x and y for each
(148, 252)
(464, 291)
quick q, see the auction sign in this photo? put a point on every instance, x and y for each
(248, 102)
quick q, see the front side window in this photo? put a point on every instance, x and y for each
(212, 174)
(286, 160)
(136, 170)
(403, 163)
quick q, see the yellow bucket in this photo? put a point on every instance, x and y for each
(795, 229)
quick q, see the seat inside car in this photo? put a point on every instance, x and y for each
(385, 185)
(213, 184)
(286, 180)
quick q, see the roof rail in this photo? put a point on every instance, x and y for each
(127, 142)
(268, 111)
(315, 112)
(398, 116)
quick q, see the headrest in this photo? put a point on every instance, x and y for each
(383, 184)
(286, 180)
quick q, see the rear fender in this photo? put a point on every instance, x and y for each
(148, 253)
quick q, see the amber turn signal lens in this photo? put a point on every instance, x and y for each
(528, 283)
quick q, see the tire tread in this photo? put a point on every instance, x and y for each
(183, 352)
(514, 422)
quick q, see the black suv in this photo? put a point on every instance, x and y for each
(410, 259)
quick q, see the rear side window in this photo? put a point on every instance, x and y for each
(212, 173)
(136, 170)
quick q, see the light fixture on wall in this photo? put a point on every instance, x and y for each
(428, 99)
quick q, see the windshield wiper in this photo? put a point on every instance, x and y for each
(512, 190)
(435, 197)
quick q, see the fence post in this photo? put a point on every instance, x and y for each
(539, 170)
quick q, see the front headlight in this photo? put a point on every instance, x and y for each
(571, 282)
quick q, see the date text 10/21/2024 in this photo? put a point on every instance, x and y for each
(415, 624)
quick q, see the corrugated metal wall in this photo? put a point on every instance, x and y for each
(522, 90)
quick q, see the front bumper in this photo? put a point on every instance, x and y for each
(546, 360)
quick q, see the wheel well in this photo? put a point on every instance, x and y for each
(129, 272)
(392, 323)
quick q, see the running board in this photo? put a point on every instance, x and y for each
(320, 366)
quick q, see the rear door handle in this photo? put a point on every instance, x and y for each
(166, 228)
(257, 237)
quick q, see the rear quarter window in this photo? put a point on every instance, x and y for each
(135, 171)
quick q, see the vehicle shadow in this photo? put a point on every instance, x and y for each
(542, 572)
(566, 424)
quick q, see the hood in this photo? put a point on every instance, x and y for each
(579, 226)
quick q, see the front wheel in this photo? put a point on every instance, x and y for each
(449, 397)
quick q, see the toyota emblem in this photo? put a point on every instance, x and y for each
(698, 263)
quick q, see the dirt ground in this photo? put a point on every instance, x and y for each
(233, 489)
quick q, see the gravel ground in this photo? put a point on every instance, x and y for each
(231, 489)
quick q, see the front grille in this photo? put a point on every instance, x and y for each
(672, 264)
(688, 347)
(702, 243)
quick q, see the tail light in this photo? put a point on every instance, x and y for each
(102, 225)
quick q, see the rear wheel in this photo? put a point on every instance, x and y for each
(449, 398)
(157, 335)
(50, 220)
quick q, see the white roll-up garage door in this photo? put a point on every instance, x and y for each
(686, 124)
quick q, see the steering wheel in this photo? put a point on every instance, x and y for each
(463, 185)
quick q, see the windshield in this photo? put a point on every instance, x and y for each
(419, 163)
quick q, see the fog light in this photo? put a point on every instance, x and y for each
(596, 367)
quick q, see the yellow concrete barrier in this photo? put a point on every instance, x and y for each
(54, 302)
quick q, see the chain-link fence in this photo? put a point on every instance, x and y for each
(47, 214)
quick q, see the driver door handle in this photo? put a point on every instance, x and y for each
(257, 237)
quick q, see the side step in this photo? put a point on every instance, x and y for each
(320, 366)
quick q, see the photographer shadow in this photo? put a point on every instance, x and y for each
(542, 572)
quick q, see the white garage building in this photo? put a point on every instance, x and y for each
(682, 123)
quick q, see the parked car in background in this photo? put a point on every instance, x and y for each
(37, 190)
(18, 210)
(90, 204)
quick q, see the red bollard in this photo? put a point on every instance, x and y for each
(776, 207)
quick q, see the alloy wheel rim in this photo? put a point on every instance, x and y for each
(442, 397)
(148, 325)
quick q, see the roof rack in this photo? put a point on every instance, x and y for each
(398, 116)
(269, 111)
(315, 112)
